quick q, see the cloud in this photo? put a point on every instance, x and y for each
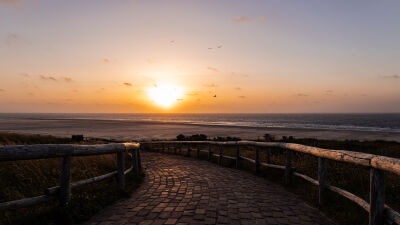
(328, 92)
(12, 38)
(47, 78)
(128, 84)
(213, 69)
(24, 75)
(238, 88)
(210, 85)
(2, 90)
(394, 76)
(67, 79)
(301, 95)
(241, 96)
(10, 2)
(106, 60)
(248, 19)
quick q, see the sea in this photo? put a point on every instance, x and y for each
(382, 122)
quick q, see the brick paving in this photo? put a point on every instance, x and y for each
(181, 190)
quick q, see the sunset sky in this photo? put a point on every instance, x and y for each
(253, 56)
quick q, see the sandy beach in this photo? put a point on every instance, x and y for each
(133, 130)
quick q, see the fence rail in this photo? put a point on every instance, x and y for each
(379, 213)
(67, 151)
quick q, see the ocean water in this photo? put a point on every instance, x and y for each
(351, 122)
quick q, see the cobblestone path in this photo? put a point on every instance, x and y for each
(181, 190)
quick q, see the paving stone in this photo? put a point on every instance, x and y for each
(181, 190)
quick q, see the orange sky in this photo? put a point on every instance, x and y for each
(256, 56)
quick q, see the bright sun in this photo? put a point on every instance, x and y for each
(165, 95)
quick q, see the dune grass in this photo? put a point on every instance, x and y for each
(21, 179)
(349, 177)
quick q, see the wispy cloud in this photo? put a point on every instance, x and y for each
(241, 96)
(67, 79)
(11, 2)
(210, 85)
(47, 78)
(328, 92)
(12, 38)
(248, 19)
(24, 75)
(213, 69)
(2, 90)
(302, 95)
(394, 76)
(238, 88)
(128, 84)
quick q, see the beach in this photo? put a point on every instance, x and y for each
(145, 130)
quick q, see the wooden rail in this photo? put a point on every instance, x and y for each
(379, 213)
(66, 151)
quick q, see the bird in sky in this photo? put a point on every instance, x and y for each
(209, 48)
(215, 96)
(220, 46)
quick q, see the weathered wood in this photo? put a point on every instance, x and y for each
(321, 180)
(391, 216)
(209, 152)
(350, 196)
(237, 156)
(268, 154)
(288, 170)
(377, 197)
(248, 159)
(188, 151)
(136, 162)
(257, 159)
(220, 155)
(271, 165)
(121, 169)
(175, 149)
(305, 177)
(65, 181)
(26, 202)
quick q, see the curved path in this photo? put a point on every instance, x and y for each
(180, 190)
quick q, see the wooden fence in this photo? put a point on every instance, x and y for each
(379, 213)
(67, 151)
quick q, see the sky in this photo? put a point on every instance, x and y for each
(225, 56)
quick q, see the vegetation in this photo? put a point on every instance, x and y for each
(343, 175)
(21, 179)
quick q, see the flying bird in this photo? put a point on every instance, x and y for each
(215, 96)
(173, 41)
(220, 46)
(209, 48)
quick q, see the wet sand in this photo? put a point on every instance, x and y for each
(132, 130)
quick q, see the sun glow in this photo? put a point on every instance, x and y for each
(165, 95)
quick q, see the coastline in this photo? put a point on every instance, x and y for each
(145, 130)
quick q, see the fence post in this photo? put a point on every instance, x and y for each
(65, 181)
(120, 170)
(377, 197)
(269, 155)
(237, 155)
(180, 149)
(163, 147)
(209, 152)
(198, 151)
(288, 170)
(136, 161)
(257, 159)
(140, 158)
(174, 149)
(188, 151)
(321, 180)
(220, 155)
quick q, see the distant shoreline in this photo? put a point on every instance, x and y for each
(145, 130)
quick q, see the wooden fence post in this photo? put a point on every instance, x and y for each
(174, 149)
(269, 155)
(257, 159)
(65, 181)
(188, 151)
(136, 161)
(140, 158)
(198, 151)
(120, 171)
(163, 147)
(220, 155)
(377, 197)
(288, 170)
(237, 155)
(209, 152)
(180, 149)
(322, 180)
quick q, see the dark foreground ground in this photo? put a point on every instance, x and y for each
(180, 190)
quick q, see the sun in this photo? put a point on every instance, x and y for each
(165, 95)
